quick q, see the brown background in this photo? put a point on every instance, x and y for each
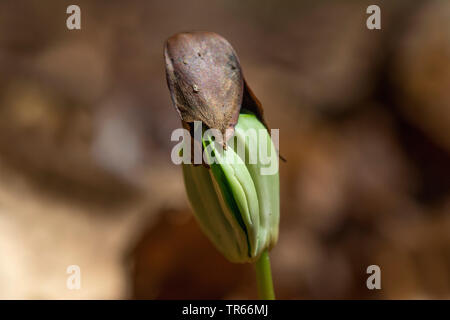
(85, 170)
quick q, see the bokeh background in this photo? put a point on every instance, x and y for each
(85, 171)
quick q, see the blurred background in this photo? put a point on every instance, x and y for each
(86, 177)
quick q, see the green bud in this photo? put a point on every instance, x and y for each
(237, 206)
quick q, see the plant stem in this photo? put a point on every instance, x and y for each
(264, 277)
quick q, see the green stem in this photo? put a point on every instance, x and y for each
(264, 277)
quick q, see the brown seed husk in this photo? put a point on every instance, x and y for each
(206, 82)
